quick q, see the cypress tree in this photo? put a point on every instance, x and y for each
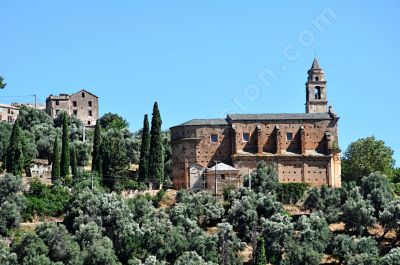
(260, 258)
(156, 159)
(96, 156)
(74, 161)
(144, 150)
(15, 156)
(65, 147)
(55, 166)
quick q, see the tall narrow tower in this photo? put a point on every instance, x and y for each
(316, 101)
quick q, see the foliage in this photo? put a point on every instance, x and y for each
(260, 258)
(29, 247)
(113, 156)
(357, 213)
(55, 166)
(365, 156)
(291, 193)
(276, 231)
(393, 257)
(7, 258)
(228, 245)
(264, 179)
(101, 252)
(65, 152)
(126, 183)
(201, 207)
(246, 211)
(144, 150)
(308, 245)
(313, 200)
(112, 121)
(390, 217)
(43, 200)
(5, 133)
(2, 84)
(324, 199)
(96, 155)
(376, 189)
(31, 117)
(29, 149)
(15, 155)
(45, 135)
(75, 125)
(83, 150)
(74, 160)
(156, 159)
(11, 203)
(313, 231)
(62, 247)
(191, 258)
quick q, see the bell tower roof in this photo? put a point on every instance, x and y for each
(315, 65)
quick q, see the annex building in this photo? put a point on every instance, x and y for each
(302, 146)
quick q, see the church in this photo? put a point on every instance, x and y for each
(303, 147)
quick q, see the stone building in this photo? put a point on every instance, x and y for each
(8, 113)
(82, 104)
(302, 146)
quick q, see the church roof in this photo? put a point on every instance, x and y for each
(315, 64)
(205, 122)
(280, 116)
(257, 117)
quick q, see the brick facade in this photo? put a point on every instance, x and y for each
(303, 146)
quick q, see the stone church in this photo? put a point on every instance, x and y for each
(302, 146)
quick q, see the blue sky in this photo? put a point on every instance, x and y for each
(202, 59)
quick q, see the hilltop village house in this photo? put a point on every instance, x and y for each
(83, 104)
(8, 113)
(302, 146)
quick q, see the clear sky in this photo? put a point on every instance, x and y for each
(203, 59)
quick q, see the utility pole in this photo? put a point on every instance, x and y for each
(84, 134)
(35, 100)
(216, 179)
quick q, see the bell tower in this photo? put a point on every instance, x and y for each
(316, 100)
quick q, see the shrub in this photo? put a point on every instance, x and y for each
(291, 193)
(43, 200)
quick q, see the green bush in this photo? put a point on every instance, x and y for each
(43, 200)
(291, 193)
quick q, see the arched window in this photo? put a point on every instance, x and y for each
(316, 78)
(317, 92)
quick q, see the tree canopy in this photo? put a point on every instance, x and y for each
(365, 156)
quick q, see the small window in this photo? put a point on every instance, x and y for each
(289, 136)
(74, 103)
(223, 176)
(75, 112)
(57, 102)
(83, 94)
(214, 138)
(90, 113)
(90, 103)
(316, 78)
(246, 137)
(88, 122)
